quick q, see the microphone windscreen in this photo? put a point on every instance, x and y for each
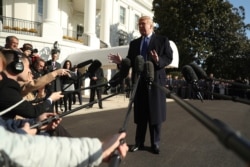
(199, 71)
(139, 64)
(94, 66)
(115, 80)
(189, 74)
(83, 64)
(149, 71)
(125, 66)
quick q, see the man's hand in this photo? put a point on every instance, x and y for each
(154, 56)
(115, 58)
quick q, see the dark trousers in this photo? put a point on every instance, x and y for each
(99, 96)
(79, 94)
(67, 101)
(155, 133)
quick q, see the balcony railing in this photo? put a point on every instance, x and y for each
(72, 35)
(19, 26)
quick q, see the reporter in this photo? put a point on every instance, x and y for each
(59, 151)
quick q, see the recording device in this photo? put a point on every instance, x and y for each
(149, 73)
(92, 69)
(191, 78)
(122, 74)
(56, 117)
(94, 66)
(85, 63)
(202, 75)
(139, 64)
(138, 67)
(228, 137)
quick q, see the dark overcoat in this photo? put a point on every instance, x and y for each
(151, 100)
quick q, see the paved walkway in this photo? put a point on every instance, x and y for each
(185, 142)
(115, 102)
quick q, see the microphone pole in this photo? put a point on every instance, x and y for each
(92, 69)
(228, 137)
(233, 98)
(49, 120)
(115, 157)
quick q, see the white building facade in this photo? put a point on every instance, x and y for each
(77, 25)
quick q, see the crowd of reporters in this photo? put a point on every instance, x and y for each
(18, 66)
(210, 89)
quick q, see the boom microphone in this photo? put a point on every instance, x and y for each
(123, 73)
(202, 75)
(94, 66)
(149, 73)
(192, 79)
(83, 64)
(139, 64)
(138, 68)
(199, 71)
(189, 74)
(125, 66)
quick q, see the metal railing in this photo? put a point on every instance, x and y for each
(72, 35)
(19, 26)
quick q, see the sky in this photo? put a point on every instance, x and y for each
(246, 5)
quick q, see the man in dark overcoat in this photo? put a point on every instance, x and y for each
(149, 101)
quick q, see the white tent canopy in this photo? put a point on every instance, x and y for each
(102, 56)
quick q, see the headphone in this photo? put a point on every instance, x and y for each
(16, 65)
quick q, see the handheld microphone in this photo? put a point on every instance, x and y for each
(139, 64)
(138, 67)
(149, 73)
(192, 79)
(83, 64)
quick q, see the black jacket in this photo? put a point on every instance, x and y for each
(10, 94)
(153, 100)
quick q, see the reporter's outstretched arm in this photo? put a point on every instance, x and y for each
(113, 143)
(29, 151)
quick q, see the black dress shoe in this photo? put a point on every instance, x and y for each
(136, 148)
(156, 149)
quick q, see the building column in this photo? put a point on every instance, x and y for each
(90, 38)
(105, 23)
(51, 28)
